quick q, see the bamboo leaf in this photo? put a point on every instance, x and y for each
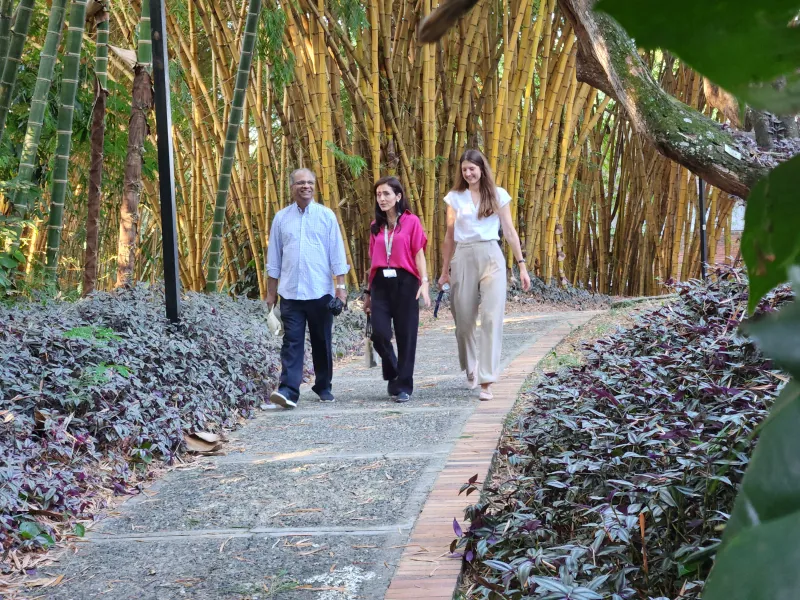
(127, 56)
(356, 164)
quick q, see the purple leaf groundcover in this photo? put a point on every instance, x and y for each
(628, 464)
(95, 394)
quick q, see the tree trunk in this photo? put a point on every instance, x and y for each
(12, 61)
(98, 134)
(790, 127)
(138, 130)
(66, 111)
(788, 123)
(723, 101)
(141, 104)
(608, 60)
(762, 129)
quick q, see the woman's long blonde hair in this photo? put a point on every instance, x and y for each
(488, 204)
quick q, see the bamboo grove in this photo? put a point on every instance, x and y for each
(261, 87)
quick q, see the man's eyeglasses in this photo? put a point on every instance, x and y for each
(303, 183)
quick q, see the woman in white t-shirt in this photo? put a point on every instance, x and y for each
(476, 209)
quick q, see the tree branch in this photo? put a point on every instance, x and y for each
(608, 60)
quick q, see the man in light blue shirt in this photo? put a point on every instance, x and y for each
(305, 253)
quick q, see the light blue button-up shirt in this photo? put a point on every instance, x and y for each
(305, 252)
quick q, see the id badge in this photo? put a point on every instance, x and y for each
(389, 273)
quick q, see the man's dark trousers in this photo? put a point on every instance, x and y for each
(295, 314)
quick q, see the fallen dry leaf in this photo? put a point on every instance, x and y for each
(299, 511)
(310, 552)
(197, 444)
(309, 588)
(44, 581)
(211, 437)
(424, 560)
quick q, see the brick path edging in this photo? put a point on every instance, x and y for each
(425, 571)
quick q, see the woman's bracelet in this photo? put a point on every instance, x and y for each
(520, 262)
(367, 292)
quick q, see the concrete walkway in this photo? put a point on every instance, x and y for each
(315, 504)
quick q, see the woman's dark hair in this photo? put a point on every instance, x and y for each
(488, 203)
(402, 206)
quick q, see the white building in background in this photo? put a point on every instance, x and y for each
(737, 226)
(737, 217)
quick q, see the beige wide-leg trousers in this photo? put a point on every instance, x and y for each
(478, 278)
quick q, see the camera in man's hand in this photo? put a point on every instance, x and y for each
(336, 306)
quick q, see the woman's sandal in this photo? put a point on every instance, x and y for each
(486, 395)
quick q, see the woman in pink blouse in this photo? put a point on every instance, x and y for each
(397, 279)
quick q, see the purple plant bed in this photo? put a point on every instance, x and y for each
(96, 394)
(652, 435)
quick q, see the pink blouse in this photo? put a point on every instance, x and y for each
(409, 239)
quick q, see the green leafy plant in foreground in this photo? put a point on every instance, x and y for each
(753, 50)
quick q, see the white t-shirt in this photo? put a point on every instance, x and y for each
(469, 228)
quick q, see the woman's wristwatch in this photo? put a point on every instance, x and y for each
(424, 280)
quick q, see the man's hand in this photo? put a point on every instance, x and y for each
(272, 298)
(342, 295)
(367, 303)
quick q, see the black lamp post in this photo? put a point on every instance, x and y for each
(166, 168)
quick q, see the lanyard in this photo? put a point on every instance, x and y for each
(389, 242)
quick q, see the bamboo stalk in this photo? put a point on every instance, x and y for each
(553, 221)
(234, 123)
(44, 81)
(566, 154)
(375, 138)
(66, 111)
(12, 61)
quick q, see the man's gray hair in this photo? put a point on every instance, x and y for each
(293, 174)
